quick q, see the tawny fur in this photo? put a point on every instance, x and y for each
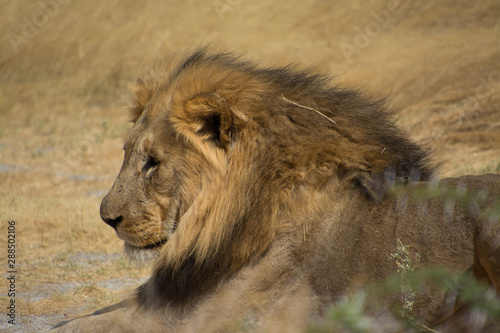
(267, 195)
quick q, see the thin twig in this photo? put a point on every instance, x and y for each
(308, 108)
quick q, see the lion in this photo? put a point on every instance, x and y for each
(265, 195)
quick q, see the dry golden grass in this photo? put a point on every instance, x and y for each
(64, 89)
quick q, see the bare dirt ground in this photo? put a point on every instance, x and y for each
(65, 72)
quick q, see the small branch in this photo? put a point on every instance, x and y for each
(308, 108)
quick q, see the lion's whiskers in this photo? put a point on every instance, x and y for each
(160, 240)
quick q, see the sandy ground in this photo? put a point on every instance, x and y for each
(65, 72)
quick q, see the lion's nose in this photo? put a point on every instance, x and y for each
(109, 213)
(112, 222)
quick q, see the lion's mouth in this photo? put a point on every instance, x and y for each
(149, 252)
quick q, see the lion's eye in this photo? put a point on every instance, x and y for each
(150, 163)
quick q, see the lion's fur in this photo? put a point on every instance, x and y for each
(265, 200)
(242, 220)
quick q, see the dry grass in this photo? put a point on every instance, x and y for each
(63, 96)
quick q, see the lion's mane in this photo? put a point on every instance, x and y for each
(287, 131)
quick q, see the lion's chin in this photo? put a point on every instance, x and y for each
(142, 254)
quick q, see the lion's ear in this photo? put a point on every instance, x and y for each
(143, 92)
(211, 116)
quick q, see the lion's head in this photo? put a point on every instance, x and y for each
(219, 148)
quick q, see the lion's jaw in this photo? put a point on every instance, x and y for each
(142, 254)
(134, 247)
